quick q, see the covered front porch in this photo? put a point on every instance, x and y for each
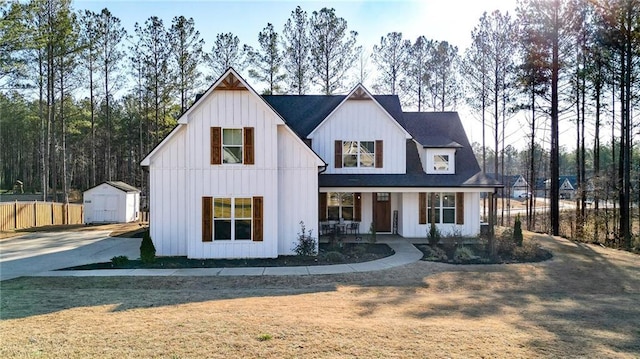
(407, 212)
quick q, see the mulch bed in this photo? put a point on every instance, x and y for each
(346, 253)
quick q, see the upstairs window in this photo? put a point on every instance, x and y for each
(358, 153)
(232, 145)
(441, 163)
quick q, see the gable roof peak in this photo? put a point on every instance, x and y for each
(359, 92)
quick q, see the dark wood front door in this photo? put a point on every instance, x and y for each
(382, 211)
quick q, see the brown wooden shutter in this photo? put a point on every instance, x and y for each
(357, 204)
(460, 208)
(207, 219)
(258, 219)
(216, 145)
(337, 160)
(248, 150)
(379, 151)
(422, 208)
(322, 206)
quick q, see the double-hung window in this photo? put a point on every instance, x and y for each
(441, 208)
(232, 145)
(340, 205)
(232, 218)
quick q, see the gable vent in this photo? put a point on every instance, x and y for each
(359, 94)
(231, 83)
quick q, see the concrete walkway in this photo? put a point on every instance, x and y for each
(405, 253)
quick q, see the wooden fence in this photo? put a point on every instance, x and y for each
(19, 215)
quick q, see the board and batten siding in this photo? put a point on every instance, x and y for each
(361, 120)
(169, 210)
(409, 216)
(297, 191)
(233, 109)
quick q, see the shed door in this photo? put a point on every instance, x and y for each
(105, 208)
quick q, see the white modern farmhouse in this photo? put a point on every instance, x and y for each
(240, 171)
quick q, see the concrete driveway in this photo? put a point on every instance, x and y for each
(44, 251)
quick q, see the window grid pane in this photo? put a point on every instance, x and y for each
(222, 208)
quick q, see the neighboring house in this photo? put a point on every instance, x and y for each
(517, 186)
(111, 202)
(567, 187)
(240, 171)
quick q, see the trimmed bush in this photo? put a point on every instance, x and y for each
(147, 249)
(517, 231)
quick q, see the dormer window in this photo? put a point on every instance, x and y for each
(441, 163)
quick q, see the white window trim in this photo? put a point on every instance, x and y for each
(440, 208)
(340, 206)
(241, 146)
(430, 160)
(232, 219)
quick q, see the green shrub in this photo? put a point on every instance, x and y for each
(433, 235)
(147, 249)
(307, 245)
(119, 261)
(435, 254)
(334, 257)
(517, 232)
(463, 255)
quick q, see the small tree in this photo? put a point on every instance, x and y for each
(147, 249)
(517, 231)
(433, 235)
(307, 245)
(372, 233)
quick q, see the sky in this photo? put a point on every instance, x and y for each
(443, 20)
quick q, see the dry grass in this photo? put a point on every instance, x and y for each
(583, 303)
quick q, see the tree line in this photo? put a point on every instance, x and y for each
(83, 101)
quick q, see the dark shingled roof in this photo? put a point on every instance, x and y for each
(429, 129)
(303, 113)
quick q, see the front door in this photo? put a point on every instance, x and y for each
(382, 211)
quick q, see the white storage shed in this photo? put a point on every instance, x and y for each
(111, 202)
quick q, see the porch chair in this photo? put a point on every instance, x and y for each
(353, 228)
